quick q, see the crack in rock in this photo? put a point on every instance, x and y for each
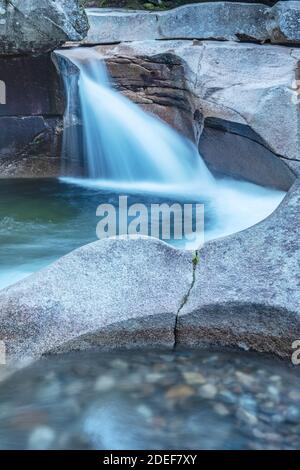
(185, 299)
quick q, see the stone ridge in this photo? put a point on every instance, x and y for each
(111, 293)
(225, 21)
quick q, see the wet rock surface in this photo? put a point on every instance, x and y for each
(152, 400)
(158, 85)
(36, 151)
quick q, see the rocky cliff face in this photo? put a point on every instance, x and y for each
(36, 26)
(31, 117)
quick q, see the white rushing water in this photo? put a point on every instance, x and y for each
(125, 148)
(121, 142)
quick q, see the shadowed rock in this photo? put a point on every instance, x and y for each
(236, 150)
(31, 118)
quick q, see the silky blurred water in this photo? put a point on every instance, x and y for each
(43, 219)
(121, 142)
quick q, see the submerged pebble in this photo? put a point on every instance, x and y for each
(208, 391)
(41, 438)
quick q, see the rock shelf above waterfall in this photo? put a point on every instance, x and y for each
(210, 20)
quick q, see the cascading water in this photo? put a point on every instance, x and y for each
(126, 149)
(121, 142)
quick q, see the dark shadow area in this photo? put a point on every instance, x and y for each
(236, 150)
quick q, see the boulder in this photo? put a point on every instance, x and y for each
(111, 293)
(36, 26)
(252, 85)
(230, 21)
(236, 150)
(283, 23)
(246, 291)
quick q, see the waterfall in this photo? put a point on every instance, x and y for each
(122, 144)
(122, 147)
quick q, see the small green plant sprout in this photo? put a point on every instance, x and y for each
(196, 258)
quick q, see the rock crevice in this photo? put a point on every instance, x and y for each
(185, 299)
